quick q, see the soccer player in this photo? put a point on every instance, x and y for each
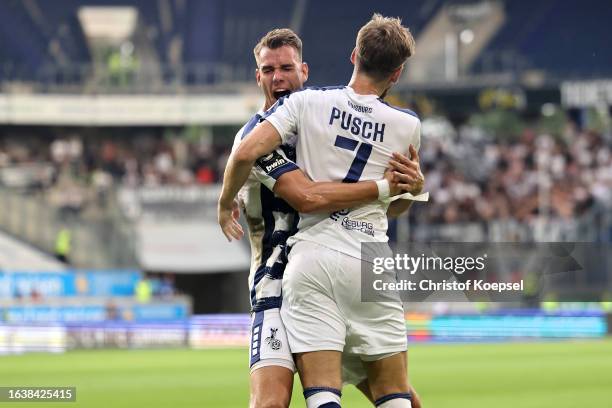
(345, 133)
(272, 220)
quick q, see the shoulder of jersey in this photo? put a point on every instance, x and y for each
(324, 88)
(247, 127)
(309, 88)
(339, 87)
(316, 88)
(397, 108)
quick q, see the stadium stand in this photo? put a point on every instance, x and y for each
(16, 255)
(526, 40)
(476, 179)
(210, 41)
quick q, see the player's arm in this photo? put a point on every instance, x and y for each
(281, 175)
(411, 179)
(261, 141)
(307, 196)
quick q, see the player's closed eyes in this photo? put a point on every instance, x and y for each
(286, 68)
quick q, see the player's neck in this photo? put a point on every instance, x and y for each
(267, 105)
(363, 85)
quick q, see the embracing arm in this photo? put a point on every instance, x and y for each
(294, 187)
(307, 196)
(262, 140)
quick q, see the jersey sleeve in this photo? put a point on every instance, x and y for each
(417, 136)
(285, 116)
(270, 167)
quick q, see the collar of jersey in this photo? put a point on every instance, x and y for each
(362, 96)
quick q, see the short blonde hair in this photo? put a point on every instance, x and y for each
(276, 39)
(383, 45)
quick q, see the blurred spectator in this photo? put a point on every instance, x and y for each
(35, 295)
(63, 245)
(112, 311)
(144, 290)
(205, 175)
(167, 286)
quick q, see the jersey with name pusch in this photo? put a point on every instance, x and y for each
(340, 135)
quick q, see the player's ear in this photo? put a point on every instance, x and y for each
(304, 71)
(257, 76)
(354, 56)
(396, 74)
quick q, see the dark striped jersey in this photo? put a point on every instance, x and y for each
(271, 221)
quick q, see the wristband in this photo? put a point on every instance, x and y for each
(384, 190)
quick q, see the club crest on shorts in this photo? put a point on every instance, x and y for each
(272, 341)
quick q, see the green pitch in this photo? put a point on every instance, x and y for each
(556, 374)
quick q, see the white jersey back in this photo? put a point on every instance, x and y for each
(343, 136)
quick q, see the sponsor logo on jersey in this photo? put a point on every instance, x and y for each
(358, 225)
(352, 224)
(337, 214)
(271, 161)
(272, 341)
(275, 164)
(359, 108)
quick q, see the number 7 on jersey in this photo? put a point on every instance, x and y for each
(360, 160)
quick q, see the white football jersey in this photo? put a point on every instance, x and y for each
(343, 136)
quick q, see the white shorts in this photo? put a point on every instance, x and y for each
(269, 345)
(322, 307)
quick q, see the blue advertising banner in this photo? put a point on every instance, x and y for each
(22, 284)
(109, 283)
(26, 284)
(500, 327)
(60, 314)
(95, 313)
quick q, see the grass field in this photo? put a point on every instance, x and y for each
(555, 374)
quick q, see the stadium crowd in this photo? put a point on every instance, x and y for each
(474, 177)
(135, 159)
(471, 175)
